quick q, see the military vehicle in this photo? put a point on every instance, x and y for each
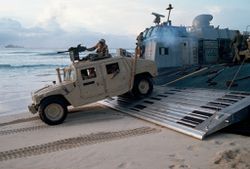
(198, 90)
(199, 44)
(92, 79)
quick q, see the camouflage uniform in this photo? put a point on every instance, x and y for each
(236, 44)
(139, 50)
(101, 49)
(246, 53)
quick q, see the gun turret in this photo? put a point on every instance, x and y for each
(74, 52)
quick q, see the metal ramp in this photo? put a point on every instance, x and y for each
(195, 112)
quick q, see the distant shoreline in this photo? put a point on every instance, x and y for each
(13, 46)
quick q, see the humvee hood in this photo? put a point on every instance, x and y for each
(62, 88)
(43, 89)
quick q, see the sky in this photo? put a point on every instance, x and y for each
(62, 23)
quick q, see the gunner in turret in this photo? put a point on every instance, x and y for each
(101, 48)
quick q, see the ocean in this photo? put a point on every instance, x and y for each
(23, 71)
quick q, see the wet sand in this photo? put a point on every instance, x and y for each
(98, 137)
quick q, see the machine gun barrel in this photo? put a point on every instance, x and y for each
(79, 48)
(62, 51)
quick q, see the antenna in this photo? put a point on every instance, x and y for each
(248, 26)
(158, 17)
(169, 11)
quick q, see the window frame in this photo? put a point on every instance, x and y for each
(163, 51)
(113, 70)
(88, 73)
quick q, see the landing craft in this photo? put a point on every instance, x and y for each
(173, 46)
(195, 95)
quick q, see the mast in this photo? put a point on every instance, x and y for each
(169, 11)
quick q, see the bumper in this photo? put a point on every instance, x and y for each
(32, 108)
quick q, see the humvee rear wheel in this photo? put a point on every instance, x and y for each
(143, 86)
(53, 111)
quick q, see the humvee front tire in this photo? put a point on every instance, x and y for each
(53, 111)
(143, 86)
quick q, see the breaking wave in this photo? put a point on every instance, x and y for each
(5, 65)
(8, 66)
(38, 53)
(23, 52)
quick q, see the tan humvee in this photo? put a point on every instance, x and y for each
(90, 81)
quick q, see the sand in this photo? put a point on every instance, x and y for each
(96, 137)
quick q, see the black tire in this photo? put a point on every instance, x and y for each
(53, 111)
(143, 86)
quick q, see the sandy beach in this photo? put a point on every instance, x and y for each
(97, 137)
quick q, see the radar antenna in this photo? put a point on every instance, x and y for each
(169, 11)
(158, 17)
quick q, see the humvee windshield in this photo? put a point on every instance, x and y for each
(69, 74)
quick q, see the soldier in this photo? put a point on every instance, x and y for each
(236, 44)
(101, 49)
(246, 53)
(139, 50)
(92, 73)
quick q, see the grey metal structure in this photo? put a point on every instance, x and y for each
(195, 112)
(173, 46)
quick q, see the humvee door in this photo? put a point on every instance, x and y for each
(116, 76)
(91, 83)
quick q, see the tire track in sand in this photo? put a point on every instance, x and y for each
(26, 129)
(20, 121)
(74, 142)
